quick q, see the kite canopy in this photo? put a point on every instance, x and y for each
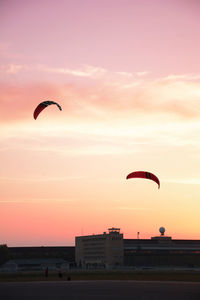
(144, 174)
(42, 106)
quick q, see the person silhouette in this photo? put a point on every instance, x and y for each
(46, 272)
(60, 275)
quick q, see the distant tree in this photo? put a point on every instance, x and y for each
(4, 254)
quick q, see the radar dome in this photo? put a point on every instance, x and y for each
(162, 230)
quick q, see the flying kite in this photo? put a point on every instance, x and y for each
(144, 174)
(42, 106)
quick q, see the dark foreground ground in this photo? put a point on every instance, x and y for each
(100, 290)
(139, 275)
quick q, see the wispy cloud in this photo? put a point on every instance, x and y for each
(41, 179)
(132, 208)
(190, 181)
(14, 68)
(85, 71)
(143, 73)
(104, 94)
(35, 200)
(180, 77)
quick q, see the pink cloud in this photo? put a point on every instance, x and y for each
(105, 95)
(18, 101)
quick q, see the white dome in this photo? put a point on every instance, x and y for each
(162, 230)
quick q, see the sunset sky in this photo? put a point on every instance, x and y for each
(127, 75)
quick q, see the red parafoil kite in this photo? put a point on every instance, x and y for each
(42, 106)
(143, 174)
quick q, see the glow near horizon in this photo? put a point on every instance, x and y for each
(122, 112)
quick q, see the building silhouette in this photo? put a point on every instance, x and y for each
(109, 250)
(101, 250)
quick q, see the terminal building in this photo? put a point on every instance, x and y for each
(110, 250)
(100, 251)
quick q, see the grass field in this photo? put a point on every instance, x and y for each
(190, 276)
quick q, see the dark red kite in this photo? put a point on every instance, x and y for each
(42, 106)
(143, 174)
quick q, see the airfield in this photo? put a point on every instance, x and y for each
(100, 290)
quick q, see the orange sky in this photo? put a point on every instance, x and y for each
(130, 100)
